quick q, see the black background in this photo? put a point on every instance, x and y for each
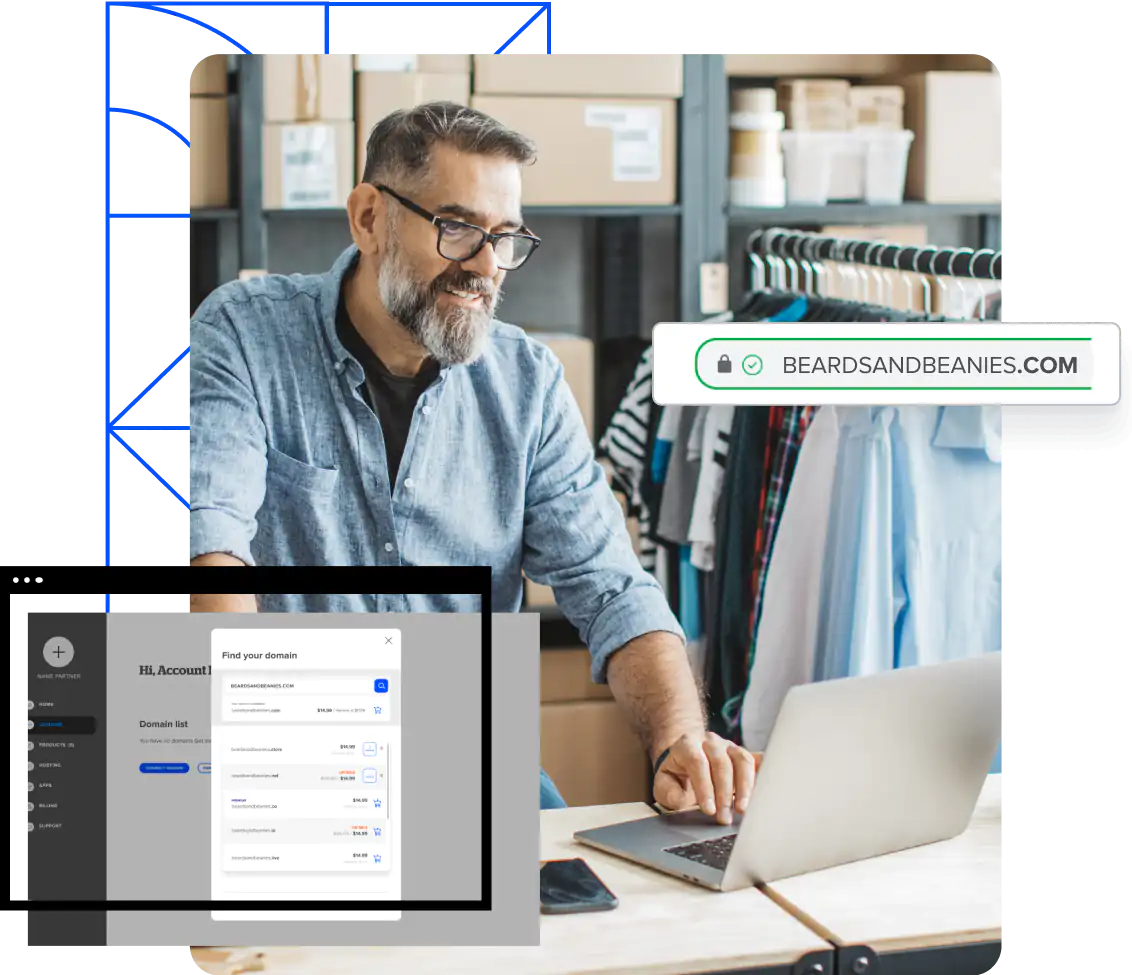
(1068, 233)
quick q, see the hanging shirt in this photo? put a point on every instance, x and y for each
(787, 633)
(913, 562)
(713, 460)
(680, 478)
(792, 422)
(725, 660)
(625, 444)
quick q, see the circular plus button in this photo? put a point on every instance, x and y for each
(58, 651)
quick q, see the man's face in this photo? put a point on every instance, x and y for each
(447, 306)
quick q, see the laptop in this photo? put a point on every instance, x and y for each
(854, 768)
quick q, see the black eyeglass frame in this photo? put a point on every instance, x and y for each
(440, 222)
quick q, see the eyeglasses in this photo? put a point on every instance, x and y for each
(459, 241)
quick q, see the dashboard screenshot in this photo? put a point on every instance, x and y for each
(196, 778)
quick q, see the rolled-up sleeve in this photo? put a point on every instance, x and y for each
(227, 453)
(575, 539)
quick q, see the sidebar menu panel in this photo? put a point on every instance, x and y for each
(66, 775)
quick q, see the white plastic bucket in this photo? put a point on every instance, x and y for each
(886, 164)
(756, 191)
(809, 164)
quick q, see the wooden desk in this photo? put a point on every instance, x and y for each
(934, 909)
(663, 926)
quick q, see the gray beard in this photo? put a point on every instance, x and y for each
(454, 338)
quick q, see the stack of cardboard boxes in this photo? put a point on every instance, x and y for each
(605, 127)
(815, 104)
(876, 107)
(387, 83)
(308, 130)
(208, 133)
(586, 744)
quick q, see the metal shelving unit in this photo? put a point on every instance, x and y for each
(703, 211)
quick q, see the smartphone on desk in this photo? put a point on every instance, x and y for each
(571, 887)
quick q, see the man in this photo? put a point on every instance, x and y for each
(378, 414)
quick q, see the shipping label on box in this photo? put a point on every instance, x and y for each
(309, 166)
(636, 139)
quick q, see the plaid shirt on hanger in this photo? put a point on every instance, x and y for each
(791, 430)
(795, 420)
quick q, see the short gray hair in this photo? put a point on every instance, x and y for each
(399, 147)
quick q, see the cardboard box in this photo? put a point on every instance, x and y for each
(564, 675)
(208, 151)
(535, 594)
(308, 87)
(813, 90)
(876, 96)
(307, 165)
(593, 151)
(956, 156)
(887, 117)
(576, 353)
(425, 63)
(379, 93)
(592, 754)
(444, 63)
(613, 75)
(210, 76)
(773, 62)
(817, 117)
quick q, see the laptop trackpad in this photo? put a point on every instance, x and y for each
(697, 825)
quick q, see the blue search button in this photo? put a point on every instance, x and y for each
(166, 768)
(381, 685)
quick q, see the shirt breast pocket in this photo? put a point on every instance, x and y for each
(297, 479)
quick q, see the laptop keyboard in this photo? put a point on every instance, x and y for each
(711, 853)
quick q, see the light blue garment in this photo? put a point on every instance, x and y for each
(288, 467)
(912, 572)
(689, 595)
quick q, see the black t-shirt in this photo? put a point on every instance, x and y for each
(392, 398)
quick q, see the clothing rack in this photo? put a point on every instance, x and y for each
(803, 246)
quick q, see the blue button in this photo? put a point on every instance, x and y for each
(151, 768)
(381, 685)
(205, 768)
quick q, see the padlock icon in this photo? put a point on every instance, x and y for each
(724, 364)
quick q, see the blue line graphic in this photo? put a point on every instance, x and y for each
(111, 424)
(105, 288)
(191, 20)
(164, 125)
(135, 400)
(141, 461)
(521, 29)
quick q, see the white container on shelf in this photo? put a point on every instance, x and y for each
(809, 160)
(756, 191)
(757, 121)
(885, 155)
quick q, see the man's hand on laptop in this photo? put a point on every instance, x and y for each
(709, 771)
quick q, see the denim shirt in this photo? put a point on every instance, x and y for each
(289, 468)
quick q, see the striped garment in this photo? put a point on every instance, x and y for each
(624, 445)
